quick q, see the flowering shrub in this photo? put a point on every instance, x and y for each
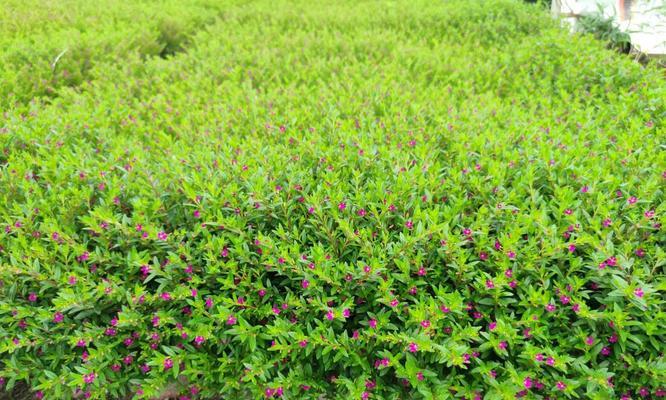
(386, 200)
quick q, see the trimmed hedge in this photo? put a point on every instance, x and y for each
(377, 199)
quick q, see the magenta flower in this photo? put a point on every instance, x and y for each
(342, 206)
(58, 317)
(632, 200)
(489, 284)
(503, 345)
(649, 214)
(409, 224)
(483, 256)
(209, 302)
(361, 213)
(640, 253)
(568, 211)
(89, 378)
(372, 323)
(394, 303)
(589, 340)
(605, 351)
(492, 326)
(166, 296)
(550, 361)
(539, 357)
(419, 376)
(445, 309)
(303, 343)
(413, 347)
(425, 323)
(527, 382)
(198, 340)
(561, 386)
(168, 363)
(564, 299)
(329, 315)
(467, 232)
(346, 313)
(572, 248)
(162, 235)
(639, 293)
(511, 255)
(231, 320)
(32, 297)
(550, 307)
(305, 283)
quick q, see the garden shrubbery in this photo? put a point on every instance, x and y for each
(389, 200)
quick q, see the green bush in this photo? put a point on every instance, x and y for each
(375, 199)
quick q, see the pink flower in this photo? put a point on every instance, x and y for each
(346, 313)
(584, 189)
(168, 363)
(231, 320)
(605, 351)
(649, 214)
(89, 378)
(162, 235)
(467, 232)
(305, 283)
(511, 255)
(409, 224)
(372, 323)
(58, 317)
(425, 323)
(489, 284)
(561, 386)
(413, 347)
(503, 345)
(361, 213)
(572, 248)
(550, 361)
(492, 326)
(394, 302)
(550, 307)
(527, 383)
(342, 206)
(166, 296)
(640, 253)
(198, 340)
(589, 341)
(568, 211)
(539, 357)
(632, 200)
(303, 343)
(421, 271)
(329, 315)
(419, 376)
(209, 302)
(483, 256)
(564, 299)
(639, 293)
(445, 309)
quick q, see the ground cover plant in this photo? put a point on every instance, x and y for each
(374, 200)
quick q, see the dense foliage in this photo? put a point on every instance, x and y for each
(362, 199)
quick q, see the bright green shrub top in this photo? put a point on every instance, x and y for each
(362, 199)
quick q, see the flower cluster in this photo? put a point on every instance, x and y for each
(384, 200)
